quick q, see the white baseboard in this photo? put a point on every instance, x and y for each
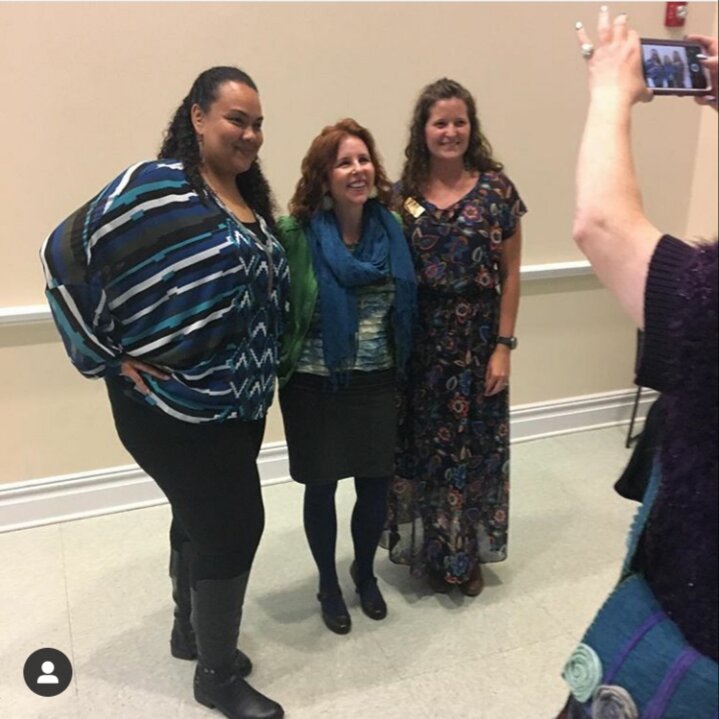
(119, 489)
(105, 491)
(577, 414)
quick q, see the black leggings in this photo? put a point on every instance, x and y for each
(209, 475)
(368, 519)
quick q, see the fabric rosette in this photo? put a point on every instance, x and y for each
(613, 702)
(583, 672)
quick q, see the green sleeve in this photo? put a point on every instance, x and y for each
(303, 294)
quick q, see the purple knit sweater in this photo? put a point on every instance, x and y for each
(679, 551)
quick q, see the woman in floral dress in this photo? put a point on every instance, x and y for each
(448, 508)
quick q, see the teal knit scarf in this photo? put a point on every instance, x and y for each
(382, 252)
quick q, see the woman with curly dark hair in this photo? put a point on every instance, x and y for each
(449, 500)
(352, 303)
(171, 286)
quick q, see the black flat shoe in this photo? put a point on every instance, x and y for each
(371, 599)
(334, 612)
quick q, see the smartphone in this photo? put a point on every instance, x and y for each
(671, 67)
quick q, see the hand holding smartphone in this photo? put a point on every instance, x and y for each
(671, 67)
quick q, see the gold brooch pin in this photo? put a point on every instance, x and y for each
(413, 207)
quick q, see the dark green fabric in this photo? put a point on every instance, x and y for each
(303, 294)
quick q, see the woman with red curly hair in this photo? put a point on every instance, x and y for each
(352, 303)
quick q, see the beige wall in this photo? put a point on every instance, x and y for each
(703, 218)
(87, 89)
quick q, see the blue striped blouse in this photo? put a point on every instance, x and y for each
(146, 269)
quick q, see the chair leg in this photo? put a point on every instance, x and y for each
(631, 438)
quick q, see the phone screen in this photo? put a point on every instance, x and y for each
(672, 68)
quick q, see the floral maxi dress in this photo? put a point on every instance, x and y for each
(448, 506)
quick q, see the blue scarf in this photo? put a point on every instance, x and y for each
(382, 252)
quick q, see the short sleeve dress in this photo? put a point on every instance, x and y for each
(449, 500)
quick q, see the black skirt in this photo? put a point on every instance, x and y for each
(345, 432)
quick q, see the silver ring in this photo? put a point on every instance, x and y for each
(587, 50)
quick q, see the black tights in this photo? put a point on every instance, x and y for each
(209, 475)
(368, 519)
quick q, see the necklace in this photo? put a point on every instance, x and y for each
(266, 245)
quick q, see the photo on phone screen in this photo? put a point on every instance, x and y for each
(672, 68)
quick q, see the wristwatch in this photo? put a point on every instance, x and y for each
(510, 342)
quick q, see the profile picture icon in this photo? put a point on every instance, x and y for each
(47, 676)
(47, 672)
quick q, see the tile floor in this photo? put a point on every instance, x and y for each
(98, 590)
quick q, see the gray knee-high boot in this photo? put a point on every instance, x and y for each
(216, 616)
(182, 638)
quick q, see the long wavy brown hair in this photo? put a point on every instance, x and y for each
(415, 172)
(319, 160)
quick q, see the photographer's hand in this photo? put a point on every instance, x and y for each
(610, 226)
(711, 46)
(615, 66)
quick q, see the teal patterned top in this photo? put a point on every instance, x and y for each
(374, 336)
